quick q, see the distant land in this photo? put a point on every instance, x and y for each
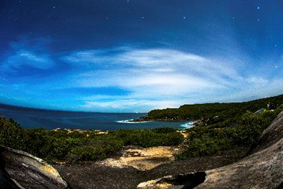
(208, 111)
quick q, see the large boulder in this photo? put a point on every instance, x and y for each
(261, 169)
(19, 169)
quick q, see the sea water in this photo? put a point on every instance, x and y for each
(33, 118)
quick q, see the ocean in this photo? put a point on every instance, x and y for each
(48, 119)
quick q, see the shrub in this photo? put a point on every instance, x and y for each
(243, 133)
(62, 145)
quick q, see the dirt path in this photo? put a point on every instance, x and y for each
(142, 158)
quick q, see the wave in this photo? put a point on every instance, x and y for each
(188, 125)
(131, 121)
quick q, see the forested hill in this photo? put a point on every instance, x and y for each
(215, 110)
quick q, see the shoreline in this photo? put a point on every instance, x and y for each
(131, 121)
(186, 125)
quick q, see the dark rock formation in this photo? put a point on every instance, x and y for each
(21, 170)
(262, 168)
(183, 181)
(6, 181)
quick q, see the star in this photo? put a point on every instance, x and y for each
(258, 20)
(54, 7)
(258, 8)
(275, 45)
(184, 17)
(142, 17)
(276, 66)
(106, 18)
(233, 17)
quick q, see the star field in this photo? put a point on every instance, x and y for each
(132, 55)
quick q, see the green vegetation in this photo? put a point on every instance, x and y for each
(148, 138)
(62, 145)
(221, 127)
(234, 133)
(209, 111)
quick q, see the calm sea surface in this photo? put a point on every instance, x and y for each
(32, 118)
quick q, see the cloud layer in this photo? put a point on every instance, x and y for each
(127, 79)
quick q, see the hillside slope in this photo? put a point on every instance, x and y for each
(261, 169)
(210, 110)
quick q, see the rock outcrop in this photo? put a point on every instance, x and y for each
(183, 181)
(19, 169)
(261, 169)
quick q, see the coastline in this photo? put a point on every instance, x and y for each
(182, 126)
(188, 125)
(132, 121)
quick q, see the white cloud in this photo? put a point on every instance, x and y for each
(162, 70)
(257, 80)
(128, 105)
(157, 78)
(161, 78)
(86, 58)
(26, 57)
(254, 88)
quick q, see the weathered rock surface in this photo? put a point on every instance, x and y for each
(6, 181)
(261, 169)
(175, 182)
(19, 169)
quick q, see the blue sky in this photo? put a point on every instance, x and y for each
(138, 55)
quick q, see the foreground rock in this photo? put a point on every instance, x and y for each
(184, 181)
(262, 169)
(19, 169)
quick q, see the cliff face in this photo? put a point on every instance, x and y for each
(19, 169)
(262, 168)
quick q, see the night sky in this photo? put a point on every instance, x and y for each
(136, 55)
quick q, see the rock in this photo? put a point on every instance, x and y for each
(262, 168)
(175, 182)
(19, 169)
(6, 181)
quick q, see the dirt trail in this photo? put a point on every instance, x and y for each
(142, 158)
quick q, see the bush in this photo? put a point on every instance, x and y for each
(149, 138)
(11, 134)
(244, 132)
(62, 145)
